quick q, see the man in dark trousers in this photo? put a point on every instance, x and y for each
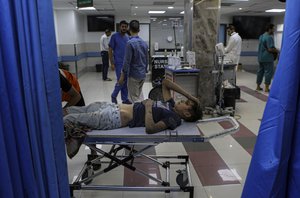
(104, 41)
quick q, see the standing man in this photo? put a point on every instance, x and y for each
(234, 47)
(266, 51)
(104, 41)
(116, 54)
(135, 63)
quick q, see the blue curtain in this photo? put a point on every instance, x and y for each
(32, 153)
(275, 166)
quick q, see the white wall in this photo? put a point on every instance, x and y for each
(129, 18)
(72, 28)
(278, 21)
(251, 45)
(69, 27)
(225, 19)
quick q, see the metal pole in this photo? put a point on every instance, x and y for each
(76, 68)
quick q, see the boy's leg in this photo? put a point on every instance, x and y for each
(103, 119)
(86, 109)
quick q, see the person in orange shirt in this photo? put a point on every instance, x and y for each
(70, 89)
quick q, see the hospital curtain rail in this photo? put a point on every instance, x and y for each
(32, 154)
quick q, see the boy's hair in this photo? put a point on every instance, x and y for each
(134, 26)
(196, 113)
(123, 22)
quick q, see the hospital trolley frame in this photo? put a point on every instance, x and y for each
(129, 142)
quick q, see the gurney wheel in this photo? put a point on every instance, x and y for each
(182, 178)
(87, 173)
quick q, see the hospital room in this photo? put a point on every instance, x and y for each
(149, 98)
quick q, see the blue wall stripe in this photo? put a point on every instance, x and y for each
(249, 53)
(78, 57)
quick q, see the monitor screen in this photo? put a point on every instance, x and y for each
(99, 23)
(250, 27)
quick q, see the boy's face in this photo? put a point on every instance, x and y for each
(183, 106)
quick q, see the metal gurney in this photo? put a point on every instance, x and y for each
(135, 141)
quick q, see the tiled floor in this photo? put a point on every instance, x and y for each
(218, 167)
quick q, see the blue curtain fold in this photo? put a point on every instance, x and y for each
(275, 166)
(33, 159)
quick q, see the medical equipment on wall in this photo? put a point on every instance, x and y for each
(156, 46)
(191, 58)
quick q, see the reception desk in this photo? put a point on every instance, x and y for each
(186, 78)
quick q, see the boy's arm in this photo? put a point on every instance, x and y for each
(152, 127)
(168, 85)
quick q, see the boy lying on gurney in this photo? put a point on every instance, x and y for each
(155, 116)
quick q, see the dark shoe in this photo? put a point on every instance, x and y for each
(73, 146)
(107, 79)
(259, 89)
(267, 88)
(114, 100)
(127, 102)
(74, 137)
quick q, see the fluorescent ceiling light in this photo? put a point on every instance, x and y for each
(87, 8)
(181, 12)
(240, 8)
(156, 12)
(136, 7)
(276, 10)
(170, 7)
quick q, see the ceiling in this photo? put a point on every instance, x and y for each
(140, 8)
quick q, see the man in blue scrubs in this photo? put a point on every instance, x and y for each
(266, 51)
(116, 53)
